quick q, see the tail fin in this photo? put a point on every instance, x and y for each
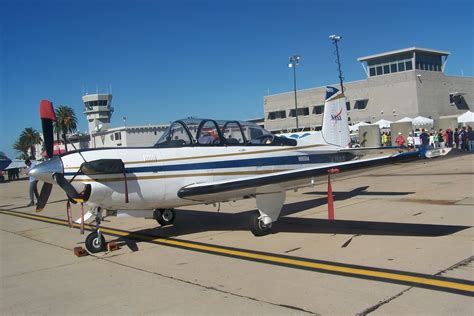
(335, 128)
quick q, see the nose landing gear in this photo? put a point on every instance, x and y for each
(95, 241)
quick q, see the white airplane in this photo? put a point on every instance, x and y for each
(200, 161)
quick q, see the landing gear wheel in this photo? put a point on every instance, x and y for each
(257, 227)
(94, 243)
(164, 216)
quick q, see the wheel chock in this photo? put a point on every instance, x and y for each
(80, 252)
(112, 246)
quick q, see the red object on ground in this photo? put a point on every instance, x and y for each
(330, 197)
(47, 110)
(80, 252)
(330, 200)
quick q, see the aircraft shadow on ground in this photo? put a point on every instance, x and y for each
(191, 222)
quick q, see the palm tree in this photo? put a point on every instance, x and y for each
(29, 138)
(22, 147)
(66, 122)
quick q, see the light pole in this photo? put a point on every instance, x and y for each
(294, 60)
(335, 39)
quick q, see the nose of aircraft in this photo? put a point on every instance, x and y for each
(45, 170)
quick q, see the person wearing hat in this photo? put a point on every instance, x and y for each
(400, 140)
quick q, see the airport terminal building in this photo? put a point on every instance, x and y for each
(402, 83)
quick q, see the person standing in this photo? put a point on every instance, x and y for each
(400, 140)
(384, 139)
(446, 138)
(410, 141)
(425, 141)
(463, 137)
(456, 138)
(440, 138)
(432, 142)
(33, 183)
(451, 138)
(470, 139)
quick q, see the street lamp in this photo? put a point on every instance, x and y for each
(335, 39)
(293, 61)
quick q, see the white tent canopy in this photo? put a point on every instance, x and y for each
(405, 119)
(355, 127)
(466, 117)
(421, 121)
(383, 123)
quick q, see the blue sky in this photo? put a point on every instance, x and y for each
(172, 59)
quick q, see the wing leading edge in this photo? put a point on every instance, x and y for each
(278, 181)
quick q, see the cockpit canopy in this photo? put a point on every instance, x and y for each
(207, 132)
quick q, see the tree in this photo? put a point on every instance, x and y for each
(22, 147)
(29, 138)
(66, 122)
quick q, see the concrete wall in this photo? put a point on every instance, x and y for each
(401, 127)
(445, 123)
(369, 136)
(433, 89)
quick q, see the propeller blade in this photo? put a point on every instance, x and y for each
(67, 187)
(47, 117)
(44, 196)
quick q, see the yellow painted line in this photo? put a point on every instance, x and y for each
(293, 262)
(289, 148)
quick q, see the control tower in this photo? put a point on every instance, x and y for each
(98, 110)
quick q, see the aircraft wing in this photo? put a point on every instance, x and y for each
(239, 188)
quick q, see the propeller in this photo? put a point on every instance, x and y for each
(47, 117)
(52, 169)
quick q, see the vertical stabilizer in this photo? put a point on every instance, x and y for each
(335, 125)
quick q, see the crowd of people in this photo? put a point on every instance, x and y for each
(460, 138)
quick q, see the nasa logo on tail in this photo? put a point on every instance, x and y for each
(337, 116)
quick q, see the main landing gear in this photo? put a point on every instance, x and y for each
(95, 241)
(164, 216)
(260, 225)
(269, 207)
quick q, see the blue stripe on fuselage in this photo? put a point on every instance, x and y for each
(242, 163)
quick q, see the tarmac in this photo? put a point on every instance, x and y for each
(401, 243)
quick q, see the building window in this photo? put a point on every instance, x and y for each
(372, 71)
(276, 115)
(303, 111)
(118, 136)
(386, 69)
(361, 104)
(348, 106)
(379, 70)
(393, 68)
(408, 65)
(401, 66)
(318, 109)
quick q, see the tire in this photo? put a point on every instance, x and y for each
(94, 244)
(165, 216)
(257, 227)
